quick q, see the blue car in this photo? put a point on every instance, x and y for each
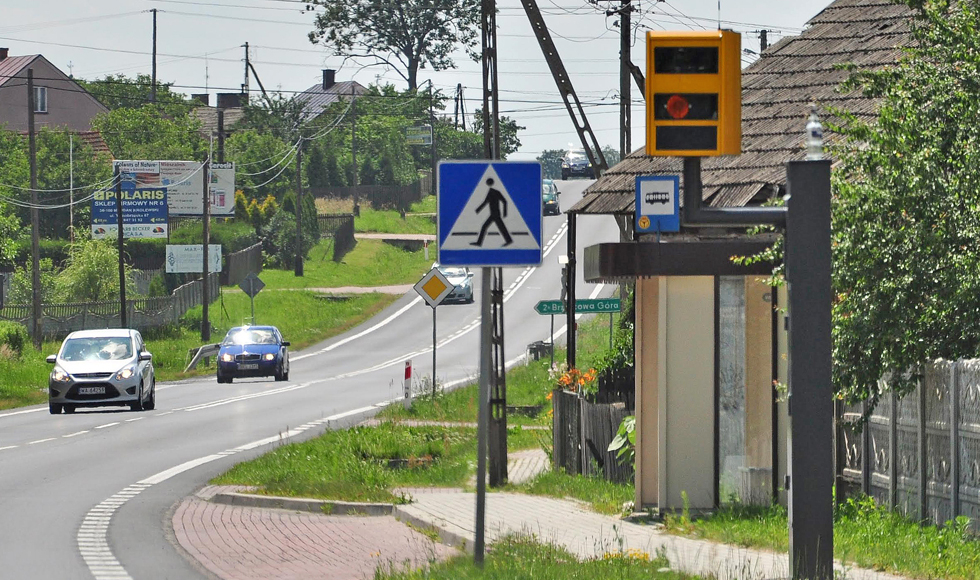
(253, 351)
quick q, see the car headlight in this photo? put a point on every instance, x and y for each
(59, 375)
(564, 163)
(126, 373)
(269, 356)
(227, 357)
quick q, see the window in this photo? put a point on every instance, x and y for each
(40, 99)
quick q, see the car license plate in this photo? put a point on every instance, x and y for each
(248, 366)
(91, 390)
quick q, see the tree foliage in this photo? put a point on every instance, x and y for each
(403, 35)
(148, 133)
(907, 209)
(122, 92)
(550, 160)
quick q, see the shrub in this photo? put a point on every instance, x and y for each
(14, 336)
(233, 235)
(158, 286)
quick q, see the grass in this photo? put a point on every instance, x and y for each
(370, 263)
(385, 221)
(865, 535)
(351, 464)
(526, 557)
(24, 379)
(605, 497)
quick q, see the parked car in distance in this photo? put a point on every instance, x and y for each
(550, 205)
(462, 280)
(253, 351)
(99, 368)
(576, 163)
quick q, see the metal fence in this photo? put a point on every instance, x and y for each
(237, 265)
(339, 226)
(582, 431)
(919, 454)
(142, 313)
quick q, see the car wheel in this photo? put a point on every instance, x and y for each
(280, 376)
(138, 405)
(221, 378)
(69, 409)
(55, 408)
(564, 176)
(151, 403)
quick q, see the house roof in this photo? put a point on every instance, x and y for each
(12, 65)
(777, 90)
(316, 99)
(94, 140)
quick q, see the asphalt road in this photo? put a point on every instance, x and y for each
(90, 494)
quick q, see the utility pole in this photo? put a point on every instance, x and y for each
(353, 149)
(221, 136)
(153, 86)
(763, 40)
(299, 209)
(205, 282)
(247, 64)
(432, 144)
(123, 314)
(625, 72)
(35, 219)
(71, 187)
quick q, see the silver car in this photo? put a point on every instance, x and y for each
(97, 368)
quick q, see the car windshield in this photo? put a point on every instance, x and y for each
(250, 336)
(549, 189)
(576, 156)
(453, 272)
(100, 348)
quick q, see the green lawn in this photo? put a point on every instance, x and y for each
(370, 263)
(391, 221)
(526, 557)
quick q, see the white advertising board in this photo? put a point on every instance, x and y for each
(184, 181)
(189, 258)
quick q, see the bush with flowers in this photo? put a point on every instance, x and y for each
(574, 380)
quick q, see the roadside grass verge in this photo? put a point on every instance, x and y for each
(865, 535)
(353, 464)
(605, 497)
(24, 379)
(391, 222)
(370, 263)
(526, 557)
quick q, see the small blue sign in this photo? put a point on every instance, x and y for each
(490, 213)
(657, 207)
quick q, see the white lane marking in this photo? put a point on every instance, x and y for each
(92, 536)
(136, 419)
(381, 324)
(9, 447)
(41, 441)
(107, 425)
(76, 433)
(162, 414)
(11, 414)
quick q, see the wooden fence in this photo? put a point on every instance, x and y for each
(59, 319)
(237, 265)
(582, 432)
(919, 454)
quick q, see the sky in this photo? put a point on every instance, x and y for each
(200, 49)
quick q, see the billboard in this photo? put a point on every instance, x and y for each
(189, 258)
(144, 212)
(184, 182)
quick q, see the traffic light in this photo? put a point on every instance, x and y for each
(694, 93)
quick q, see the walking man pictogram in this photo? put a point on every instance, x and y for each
(495, 201)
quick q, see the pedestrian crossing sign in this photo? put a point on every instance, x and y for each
(490, 213)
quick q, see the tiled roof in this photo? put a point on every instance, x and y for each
(317, 100)
(777, 90)
(95, 141)
(10, 66)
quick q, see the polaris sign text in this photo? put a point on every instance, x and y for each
(144, 212)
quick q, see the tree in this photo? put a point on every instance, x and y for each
(259, 159)
(550, 160)
(122, 92)
(148, 133)
(509, 141)
(611, 155)
(403, 35)
(905, 214)
(91, 273)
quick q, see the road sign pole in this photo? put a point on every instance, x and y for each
(610, 330)
(433, 352)
(551, 340)
(251, 295)
(482, 417)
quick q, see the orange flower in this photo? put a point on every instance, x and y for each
(548, 396)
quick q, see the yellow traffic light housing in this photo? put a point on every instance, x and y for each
(694, 93)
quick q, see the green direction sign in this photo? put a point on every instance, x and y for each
(598, 306)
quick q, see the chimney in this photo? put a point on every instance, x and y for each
(328, 78)
(202, 98)
(229, 100)
(5, 51)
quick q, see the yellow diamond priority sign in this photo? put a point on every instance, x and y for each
(434, 287)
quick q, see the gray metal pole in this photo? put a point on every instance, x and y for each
(483, 418)
(206, 238)
(811, 466)
(610, 330)
(123, 322)
(433, 352)
(551, 341)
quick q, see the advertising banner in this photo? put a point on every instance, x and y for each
(189, 258)
(144, 212)
(184, 182)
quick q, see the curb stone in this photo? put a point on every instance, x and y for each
(319, 506)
